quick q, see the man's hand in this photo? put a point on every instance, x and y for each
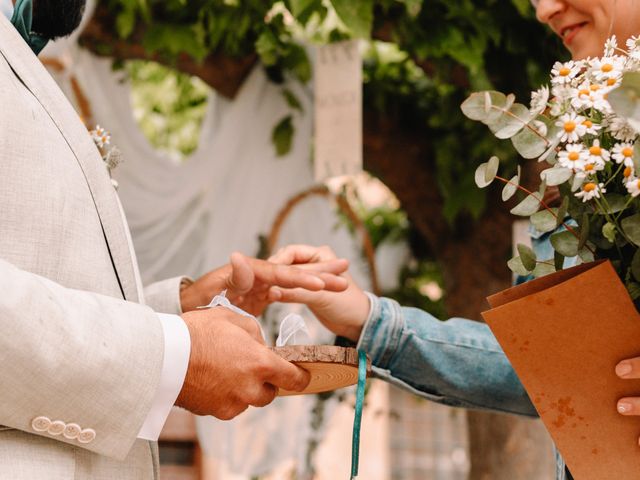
(248, 280)
(230, 368)
(344, 313)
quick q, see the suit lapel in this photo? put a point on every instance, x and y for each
(35, 77)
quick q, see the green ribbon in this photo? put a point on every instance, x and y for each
(22, 19)
(357, 421)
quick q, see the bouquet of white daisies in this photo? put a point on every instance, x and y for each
(584, 126)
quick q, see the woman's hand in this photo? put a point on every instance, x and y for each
(629, 369)
(248, 280)
(342, 312)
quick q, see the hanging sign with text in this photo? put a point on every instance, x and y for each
(338, 110)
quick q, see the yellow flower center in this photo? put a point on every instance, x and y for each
(589, 167)
(573, 156)
(589, 187)
(638, 184)
(627, 172)
(627, 152)
(595, 150)
(594, 88)
(606, 68)
(564, 71)
(588, 123)
(584, 91)
(611, 82)
(569, 126)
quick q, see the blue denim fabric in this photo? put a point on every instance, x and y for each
(456, 362)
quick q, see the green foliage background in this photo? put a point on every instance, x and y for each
(435, 53)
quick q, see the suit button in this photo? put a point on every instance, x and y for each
(71, 431)
(56, 427)
(87, 435)
(40, 424)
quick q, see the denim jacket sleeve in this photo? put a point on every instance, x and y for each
(457, 362)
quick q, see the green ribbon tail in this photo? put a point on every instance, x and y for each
(357, 421)
(22, 20)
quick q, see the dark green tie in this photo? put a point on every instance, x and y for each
(21, 19)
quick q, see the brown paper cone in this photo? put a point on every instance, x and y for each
(564, 334)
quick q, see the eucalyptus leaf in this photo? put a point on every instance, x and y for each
(584, 230)
(486, 172)
(527, 256)
(615, 202)
(556, 175)
(544, 220)
(565, 243)
(528, 206)
(586, 255)
(529, 144)
(509, 122)
(625, 100)
(543, 269)
(478, 105)
(631, 228)
(510, 188)
(562, 211)
(558, 261)
(516, 266)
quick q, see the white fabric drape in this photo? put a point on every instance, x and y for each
(188, 217)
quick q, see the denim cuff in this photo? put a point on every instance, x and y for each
(382, 331)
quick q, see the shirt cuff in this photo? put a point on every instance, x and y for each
(177, 348)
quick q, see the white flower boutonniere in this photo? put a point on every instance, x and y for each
(111, 155)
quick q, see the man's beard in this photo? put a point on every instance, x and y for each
(56, 18)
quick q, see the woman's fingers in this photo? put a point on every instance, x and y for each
(629, 368)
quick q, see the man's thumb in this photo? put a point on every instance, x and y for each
(241, 279)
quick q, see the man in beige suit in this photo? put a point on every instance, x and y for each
(88, 372)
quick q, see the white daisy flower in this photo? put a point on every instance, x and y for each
(607, 67)
(571, 127)
(597, 154)
(562, 93)
(100, 136)
(628, 174)
(633, 186)
(633, 43)
(574, 157)
(623, 153)
(591, 95)
(620, 129)
(590, 190)
(563, 73)
(610, 46)
(539, 100)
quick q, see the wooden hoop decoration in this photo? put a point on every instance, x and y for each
(330, 367)
(86, 115)
(345, 208)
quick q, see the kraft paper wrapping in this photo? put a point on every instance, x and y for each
(564, 334)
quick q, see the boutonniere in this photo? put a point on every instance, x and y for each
(111, 155)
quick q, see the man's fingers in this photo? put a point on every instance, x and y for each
(629, 368)
(242, 275)
(286, 375)
(336, 266)
(263, 396)
(285, 276)
(247, 324)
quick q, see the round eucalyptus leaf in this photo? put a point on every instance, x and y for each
(556, 175)
(543, 269)
(478, 106)
(510, 121)
(527, 256)
(562, 211)
(631, 228)
(484, 176)
(544, 221)
(528, 206)
(625, 100)
(510, 188)
(492, 169)
(528, 143)
(565, 243)
(586, 255)
(615, 203)
(516, 266)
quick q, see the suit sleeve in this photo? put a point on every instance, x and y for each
(164, 296)
(77, 367)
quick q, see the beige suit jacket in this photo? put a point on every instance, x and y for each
(76, 344)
